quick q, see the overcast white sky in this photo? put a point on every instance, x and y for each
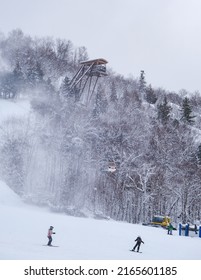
(161, 37)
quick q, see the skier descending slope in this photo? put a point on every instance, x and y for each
(49, 235)
(138, 243)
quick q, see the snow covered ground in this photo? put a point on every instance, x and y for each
(24, 232)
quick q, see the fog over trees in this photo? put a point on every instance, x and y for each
(59, 156)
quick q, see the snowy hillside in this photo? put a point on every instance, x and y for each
(24, 232)
(13, 109)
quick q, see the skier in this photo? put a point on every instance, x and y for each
(138, 243)
(170, 228)
(49, 235)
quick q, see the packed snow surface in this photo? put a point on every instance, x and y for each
(24, 232)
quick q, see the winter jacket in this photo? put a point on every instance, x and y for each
(139, 240)
(170, 227)
(50, 232)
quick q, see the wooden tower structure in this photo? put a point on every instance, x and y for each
(86, 78)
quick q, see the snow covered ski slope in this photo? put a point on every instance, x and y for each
(24, 231)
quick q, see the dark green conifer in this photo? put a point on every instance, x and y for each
(164, 111)
(142, 82)
(187, 111)
(150, 96)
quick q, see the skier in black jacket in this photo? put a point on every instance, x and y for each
(138, 243)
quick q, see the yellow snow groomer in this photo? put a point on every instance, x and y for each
(162, 221)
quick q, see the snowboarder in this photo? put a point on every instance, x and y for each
(170, 228)
(49, 235)
(138, 243)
